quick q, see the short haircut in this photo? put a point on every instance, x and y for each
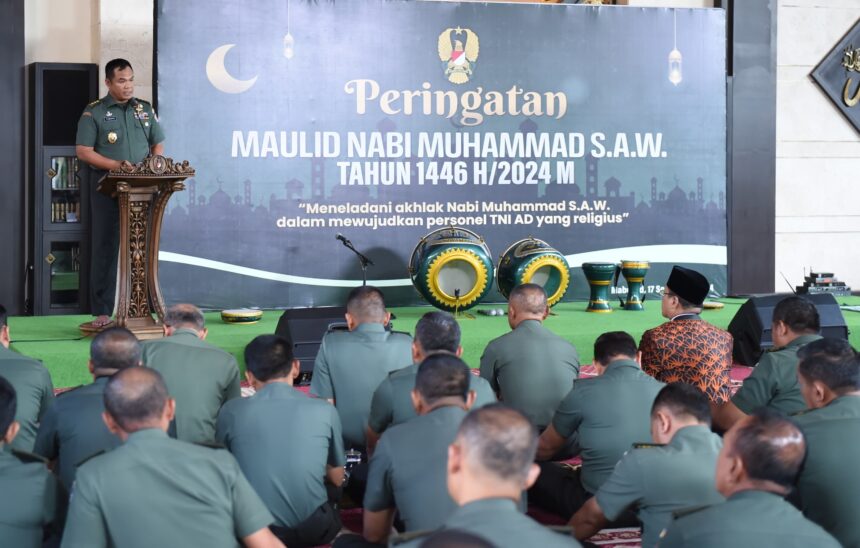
(114, 65)
(831, 361)
(501, 440)
(437, 331)
(799, 314)
(441, 376)
(529, 298)
(8, 405)
(3, 316)
(115, 348)
(269, 357)
(683, 400)
(184, 315)
(685, 304)
(613, 344)
(135, 397)
(771, 446)
(366, 304)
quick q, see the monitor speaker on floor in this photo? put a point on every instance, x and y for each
(304, 328)
(751, 326)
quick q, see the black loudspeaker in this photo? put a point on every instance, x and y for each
(751, 326)
(304, 328)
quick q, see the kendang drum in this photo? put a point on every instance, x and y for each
(534, 261)
(452, 268)
(599, 276)
(634, 272)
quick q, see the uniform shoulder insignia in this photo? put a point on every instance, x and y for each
(648, 445)
(94, 455)
(403, 538)
(677, 514)
(24, 456)
(211, 444)
(393, 331)
(94, 103)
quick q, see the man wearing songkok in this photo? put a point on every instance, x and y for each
(674, 472)
(531, 368)
(157, 491)
(757, 467)
(609, 413)
(829, 484)
(773, 382)
(436, 331)
(687, 348)
(289, 446)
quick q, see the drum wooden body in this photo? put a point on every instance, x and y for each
(452, 268)
(634, 272)
(241, 316)
(534, 261)
(599, 276)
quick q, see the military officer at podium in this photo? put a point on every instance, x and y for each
(118, 127)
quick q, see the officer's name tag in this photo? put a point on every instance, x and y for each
(110, 118)
(141, 115)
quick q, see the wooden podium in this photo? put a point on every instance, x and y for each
(142, 190)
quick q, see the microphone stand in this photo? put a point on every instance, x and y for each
(362, 259)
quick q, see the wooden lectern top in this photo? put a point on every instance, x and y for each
(151, 171)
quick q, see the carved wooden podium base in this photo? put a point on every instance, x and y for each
(142, 190)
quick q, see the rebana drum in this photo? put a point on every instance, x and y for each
(534, 261)
(452, 268)
(634, 272)
(599, 276)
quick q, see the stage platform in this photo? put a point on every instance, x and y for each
(57, 341)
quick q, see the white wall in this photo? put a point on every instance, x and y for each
(818, 151)
(60, 31)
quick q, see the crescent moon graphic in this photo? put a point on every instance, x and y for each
(218, 76)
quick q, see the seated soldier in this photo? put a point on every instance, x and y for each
(32, 383)
(490, 463)
(773, 382)
(674, 473)
(407, 471)
(757, 467)
(351, 364)
(531, 368)
(829, 484)
(199, 376)
(157, 491)
(73, 430)
(609, 413)
(28, 504)
(289, 446)
(392, 401)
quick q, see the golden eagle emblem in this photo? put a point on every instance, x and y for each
(458, 49)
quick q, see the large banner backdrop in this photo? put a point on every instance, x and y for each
(600, 130)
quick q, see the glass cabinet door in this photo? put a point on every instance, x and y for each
(64, 273)
(65, 190)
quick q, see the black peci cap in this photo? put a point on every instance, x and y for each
(688, 284)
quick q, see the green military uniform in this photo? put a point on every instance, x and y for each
(659, 480)
(35, 391)
(350, 365)
(157, 491)
(199, 376)
(73, 430)
(119, 131)
(773, 382)
(829, 485)
(28, 499)
(283, 441)
(610, 413)
(748, 519)
(531, 368)
(392, 399)
(408, 469)
(499, 522)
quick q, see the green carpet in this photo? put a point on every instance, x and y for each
(57, 342)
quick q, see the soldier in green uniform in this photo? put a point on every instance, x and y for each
(351, 364)
(673, 473)
(118, 127)
(609, 413)
(407, 471)
(157, 491)
(73, 430)
(757, 467)
(829, 485)
(531, 368)
(28, 491)
(773, 382)
(32, 383)
(392, 401)
(490, 463)
(199, 376)
(289, 446)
